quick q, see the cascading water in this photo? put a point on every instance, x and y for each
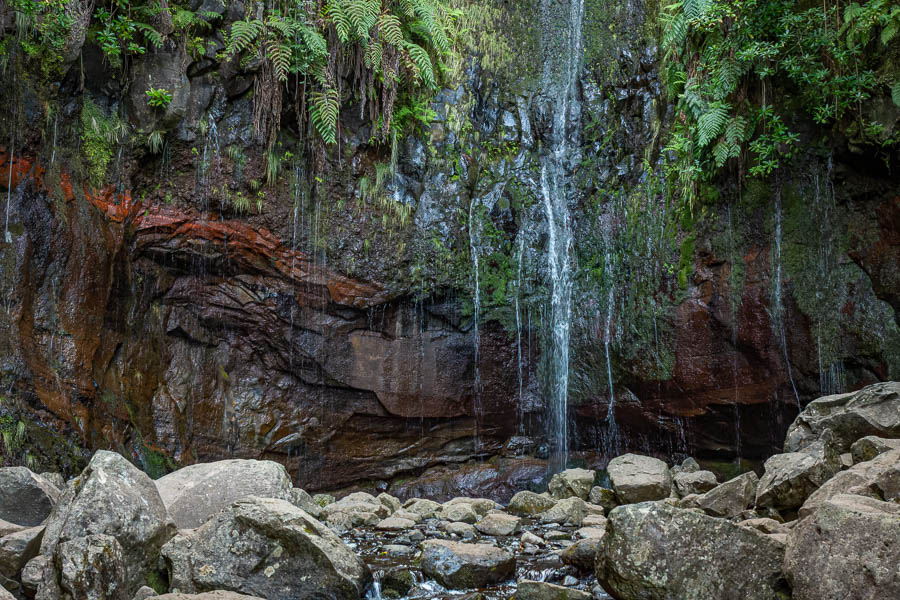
(779, 304)
(476, 335)
(560, 78)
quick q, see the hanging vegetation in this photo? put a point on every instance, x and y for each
(738, 67)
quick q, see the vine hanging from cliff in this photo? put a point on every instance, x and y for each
(738, 68)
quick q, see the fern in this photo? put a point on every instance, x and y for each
(244, 35)
(323, 113)
(422, 61)
(338, 15)
(153, 36)
(712, 123)
(895, 92)
(374, 56)
(280, 55)
(390, 31)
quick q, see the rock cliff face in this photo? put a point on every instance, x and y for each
(334, 332)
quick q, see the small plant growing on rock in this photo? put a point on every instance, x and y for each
(158, 98)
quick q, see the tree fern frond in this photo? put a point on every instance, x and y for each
(712, 123)
(244, 35)
(374, 56)
(895, 92)
(336, 11)
(314, 41)
(420, 58)
(389, 28)
(280, 55)
(323, 113)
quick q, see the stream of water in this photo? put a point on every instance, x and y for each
(561, 70)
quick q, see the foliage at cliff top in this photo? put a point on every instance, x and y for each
(316, 54)
(740, 68)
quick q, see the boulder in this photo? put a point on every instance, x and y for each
(462, 566)
(392, 503)
(7, 528)
(582, 553)
(873, 410)
(93, 568)
(6, 595)
(541, 590)
(18, 548)
(655, 551)
(848, 549)
(603, 497)
(530, 538)
(25, 497)
(731, 498)
(765, 525)
(861, 479)
(259, 546)
(405, 514)
(302, 500)
(195, 493)
(463, 530)
(572, 482)
(871, 446)
(637, 478)
(481, 506)
(498, 524)
(111, 497)
(565, 512)
(395, 524)
(145, 592)
(462, 513)
(594, 521)
(529, 503)
(35, 574)
(55, 479)
(424, 508)
(694, 482)
(790, 478)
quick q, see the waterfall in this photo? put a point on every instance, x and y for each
(560, 80)
(779, 307)
(476, 335)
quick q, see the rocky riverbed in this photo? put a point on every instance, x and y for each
(822, 522)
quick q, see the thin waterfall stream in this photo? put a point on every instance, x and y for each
(561, 73)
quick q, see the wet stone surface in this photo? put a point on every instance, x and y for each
(398, 573)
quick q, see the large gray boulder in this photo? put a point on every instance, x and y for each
(848, 550)
(570, 511)
(582, 553)
(498, 524)
(25, 497)
(18, 548)
(655, 551)
(871, 446)
(529, 503)
(694, 482)
(459, 566)
(572, 482)
(637, 478)
(93, 568)
(873, 410)
(871, 478)
(265, 547)
(790, 478)
(731, 498)
(114, 498)
(195, 493)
